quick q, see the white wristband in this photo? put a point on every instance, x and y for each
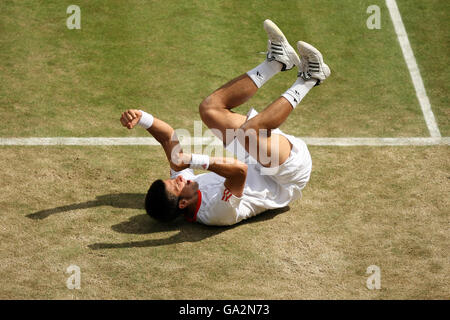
(146, 120)
(199, 161)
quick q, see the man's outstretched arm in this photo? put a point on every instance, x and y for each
(160, 130)
(234, 171)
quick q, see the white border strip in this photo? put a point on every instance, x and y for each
(376, 141)
(141, 141)
(413, 68)
(92, 141)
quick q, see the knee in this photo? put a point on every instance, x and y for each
(207, 107)
(204, 106)
(250, 127)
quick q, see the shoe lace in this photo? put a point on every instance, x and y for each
(304, 69)
(305, 75)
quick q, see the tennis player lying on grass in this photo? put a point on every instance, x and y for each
(273, 168)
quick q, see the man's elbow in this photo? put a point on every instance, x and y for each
(242, 169)
(177, 161)
(177, 166)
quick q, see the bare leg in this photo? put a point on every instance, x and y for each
(256, 134)
(271, 149)
(216, 113)
(272, 116)
(215, 110)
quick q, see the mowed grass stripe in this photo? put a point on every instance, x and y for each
(165, 57)
(362, 206)
(413, 68)
(428, 26)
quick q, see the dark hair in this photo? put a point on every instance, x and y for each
(161, 204)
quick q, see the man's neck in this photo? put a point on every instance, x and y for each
(193, 207)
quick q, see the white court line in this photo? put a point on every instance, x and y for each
(140, 141)
(413, 68)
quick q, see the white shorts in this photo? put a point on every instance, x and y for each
(294, 172)
(266, 188)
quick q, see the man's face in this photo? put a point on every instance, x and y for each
(181, 187)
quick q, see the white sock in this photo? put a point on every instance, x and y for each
(298, 91)
(266, 70)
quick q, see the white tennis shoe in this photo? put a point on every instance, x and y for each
(312, 65)
(278, 48)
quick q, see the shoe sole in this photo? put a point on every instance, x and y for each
(273, 31)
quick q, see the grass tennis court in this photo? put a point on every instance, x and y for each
(64, 205)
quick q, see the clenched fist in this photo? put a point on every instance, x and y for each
(130, 118)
